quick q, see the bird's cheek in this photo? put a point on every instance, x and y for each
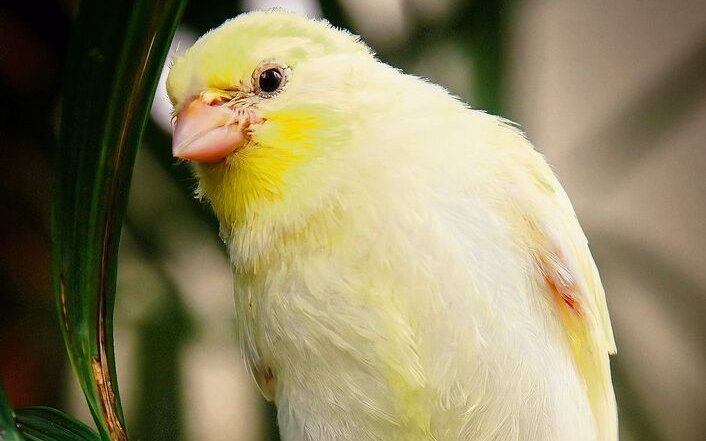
(209, 133)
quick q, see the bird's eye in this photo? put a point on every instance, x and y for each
(270, 80)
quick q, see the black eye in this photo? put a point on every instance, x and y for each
(270, 80)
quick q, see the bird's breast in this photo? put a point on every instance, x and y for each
(424, 325)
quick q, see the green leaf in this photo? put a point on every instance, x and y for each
(116, 55)
(8, 431)
(47, 424)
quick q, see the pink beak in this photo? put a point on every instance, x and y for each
(209, 133)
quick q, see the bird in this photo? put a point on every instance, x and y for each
(405, 267)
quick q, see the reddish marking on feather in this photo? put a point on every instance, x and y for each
(268, 375)
(563, 290)
(565, 295)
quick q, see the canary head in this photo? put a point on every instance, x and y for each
(258, 98)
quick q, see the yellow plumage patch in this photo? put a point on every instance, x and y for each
(296, 129)
(259, 173)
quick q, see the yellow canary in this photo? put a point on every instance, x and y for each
(405, 267)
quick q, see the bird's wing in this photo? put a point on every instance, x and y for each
(565, 265)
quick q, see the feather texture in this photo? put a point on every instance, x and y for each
(405, 268)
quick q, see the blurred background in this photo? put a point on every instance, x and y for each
(612, 92)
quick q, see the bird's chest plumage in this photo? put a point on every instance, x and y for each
(423, 328)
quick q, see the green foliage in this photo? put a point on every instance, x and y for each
(47, 424)
(114, 64)
(40, 424)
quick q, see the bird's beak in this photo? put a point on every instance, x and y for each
(209, 133)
